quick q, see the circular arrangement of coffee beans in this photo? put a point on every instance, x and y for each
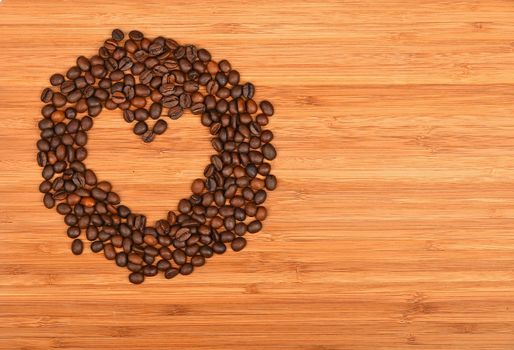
(151, 81)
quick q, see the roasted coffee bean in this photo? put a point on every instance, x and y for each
(45, 186)
(117, 35)
(109, 252)
(121, 259)
(198, 260)
(175, 112)
(148, 136)
(48, 172)
(150, 270)
(48, 200)
(77, 246)
(97, 246)
(140, 128)
(238, 244)
(271, 182)
(219, 248)
(46, 95)
(186, 269)
(136, 277)
(163, 265)
(128, 115)
(266, 108)
(198, 186)
(56, 79)
(155, 110)
(136, 35)
(248, 90)
(170, 273)
(268, 151)
(254, 226)
(73, 232)
(160, 127)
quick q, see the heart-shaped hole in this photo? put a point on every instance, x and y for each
(151, 178)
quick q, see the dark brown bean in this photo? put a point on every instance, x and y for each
(136, 278)
(248, 90)
(56, 79)
(97, 246)
(117, 35)
(148, 136)
(160, 127)
(254, 226)
(179, 257)
(136, 35)
(109, 252)
(155, 110)
(48, 200)
(238, 244)
(140, 128)
(170, 273)
(46, 95)
(77, 246)
(186, 269)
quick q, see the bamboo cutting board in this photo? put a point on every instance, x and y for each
(393, 223)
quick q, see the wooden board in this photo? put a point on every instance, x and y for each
(393, 223)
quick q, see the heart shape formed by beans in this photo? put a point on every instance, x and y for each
(150, 81)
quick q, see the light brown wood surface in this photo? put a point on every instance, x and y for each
(393, 223)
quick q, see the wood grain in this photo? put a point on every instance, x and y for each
(392, 227)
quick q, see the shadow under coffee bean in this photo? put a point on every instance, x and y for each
(151, 81)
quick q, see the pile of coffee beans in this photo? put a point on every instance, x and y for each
(151, 81)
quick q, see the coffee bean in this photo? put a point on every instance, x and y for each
(136, 277)
(121, 259)
(136, 35)
(48, 172)
(160, 127)
(268, 151)
(170, 273)
(117, 35)
(150, 270)
(198, 108)
(198, 186)
(46, 95)
(271, 182)
(83, 64)
(248, 90)
(163, 265)
(148, 136)
(97, 246)
(186, 269)
(185, 100)
(175, 112)
(226, 236)
(219, 248)
(45, 186)
(198, 260)
(77, 247)
(73, 232)
(109, 252)
(179, 257)
(254, 226)
(56, 79)
(238, 244)
(48, 200)
(155, 110)
(128, 115)
(140, 128)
